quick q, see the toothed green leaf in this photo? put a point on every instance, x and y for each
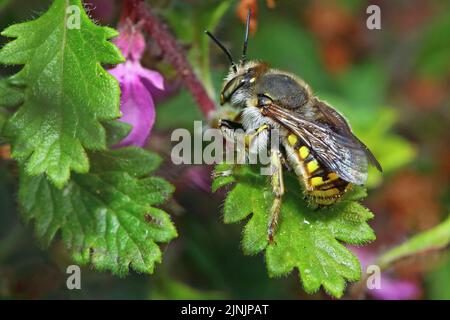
(67, 93)
(10, 96)
(306, 239)
(107, 217)
(116, 131)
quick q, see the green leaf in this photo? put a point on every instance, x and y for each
(433, 239)
(116, 131)
(222, 181)
(437, 282)
(106, 217)
(9, 95)
(67, 92)
(306, 239)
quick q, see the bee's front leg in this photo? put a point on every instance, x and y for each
(233, 132)
(276, 169)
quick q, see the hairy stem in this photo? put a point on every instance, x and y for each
(434, 239)
(174, 54)
(437, 238)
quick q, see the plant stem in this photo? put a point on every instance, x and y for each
(433, 239)
(175, 55)
(129, 10)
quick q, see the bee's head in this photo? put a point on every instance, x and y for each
(240, 81)
(241, 77)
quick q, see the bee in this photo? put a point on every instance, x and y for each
(316, 141)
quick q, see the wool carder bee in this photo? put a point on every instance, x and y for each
(316, 141)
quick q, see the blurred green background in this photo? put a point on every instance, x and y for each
(392, 84)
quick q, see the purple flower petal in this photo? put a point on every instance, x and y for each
(390, 287)
(138, 110)
(119, 72)
(155, 78)
(137, 103)
(199, 177)
(131, 42)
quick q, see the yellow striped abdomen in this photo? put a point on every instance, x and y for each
(320, 184)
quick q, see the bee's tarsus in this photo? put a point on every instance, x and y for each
(225, 173)
(278, 191)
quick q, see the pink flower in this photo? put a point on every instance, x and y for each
(137, 84)
(391, 288)
(199, 177)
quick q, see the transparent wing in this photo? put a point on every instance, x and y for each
(337, 123)
(338, 150)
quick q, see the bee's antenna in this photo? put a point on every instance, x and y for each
(224, 49)
(247, 29)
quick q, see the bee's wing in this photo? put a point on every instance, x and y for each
(339, 150)
(335, 121)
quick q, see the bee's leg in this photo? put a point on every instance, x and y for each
(229, 124)
(277, 189)
(232, 132)
(284, 161)
(251, 137)
(225, 173)
(239, 137)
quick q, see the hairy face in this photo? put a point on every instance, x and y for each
(239, 83)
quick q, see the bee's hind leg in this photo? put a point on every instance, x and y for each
(277, 183)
